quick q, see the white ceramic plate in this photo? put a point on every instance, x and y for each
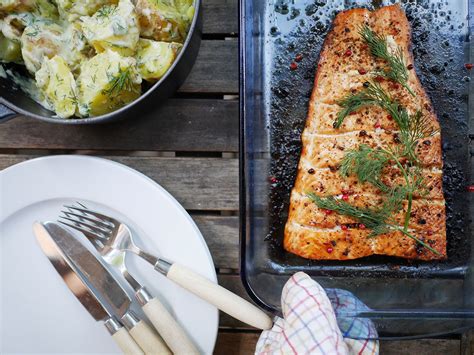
(38, 313)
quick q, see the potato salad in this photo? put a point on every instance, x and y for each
(91, 57)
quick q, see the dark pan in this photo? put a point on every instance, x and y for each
(14, 102)
(406, 298)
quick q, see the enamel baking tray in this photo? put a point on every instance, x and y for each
(402, 298)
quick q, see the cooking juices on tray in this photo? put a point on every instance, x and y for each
(370, 174)
(89, 58)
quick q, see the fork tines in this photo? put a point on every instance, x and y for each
(92, 224)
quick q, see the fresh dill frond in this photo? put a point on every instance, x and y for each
(351, 103)
(412, 127)
(120, 82)
(378, 220)
(397, 70)
(367, 164)
(371, 218)
(106, 11)
(371, 95)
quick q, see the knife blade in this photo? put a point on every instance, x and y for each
(62, 250)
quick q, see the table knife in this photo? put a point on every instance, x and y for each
(97, 290)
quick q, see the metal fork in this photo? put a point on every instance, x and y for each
(166, 325)
(111, 235)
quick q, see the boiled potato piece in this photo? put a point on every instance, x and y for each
(12, 26)
(154, 58)
(41, 8)
(8, 6)
(75, 47)
(73, 9)
(46, 9)
(39, 40)
(10, 50)
(107, 82)
(58, 86)
(45, 39)
(163, 20)
(113, 27)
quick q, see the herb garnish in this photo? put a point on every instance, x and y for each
(120, 82)
(106, 11)
(377, 219)
(412, 127)
(397, 70)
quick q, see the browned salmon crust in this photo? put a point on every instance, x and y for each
(345, 63)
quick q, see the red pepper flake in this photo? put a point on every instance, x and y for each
(362, 71)
(328, 212)
(389, 117)
(348, 52)
(330, 250)
(344, 227)
(352, 113)
(293, 66)
(377, 124)
(395, 86)
(470, 188)
(379, 78)
(410, 66)
(345, 197)
(273, 180)
(361, 226)
(468, 66)
(429, 232)
(347, 192)
(299, 57)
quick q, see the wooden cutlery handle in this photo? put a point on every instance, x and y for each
(149, 341)
(169, 329)
(218, 296)
(126, 342)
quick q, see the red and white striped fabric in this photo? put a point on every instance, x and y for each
(310, 326)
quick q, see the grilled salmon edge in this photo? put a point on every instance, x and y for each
(293, 241)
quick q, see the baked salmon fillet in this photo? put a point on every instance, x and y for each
(345, 67)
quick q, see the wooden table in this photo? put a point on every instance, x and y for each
(188, 145)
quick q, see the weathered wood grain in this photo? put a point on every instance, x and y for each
(216, 69)
(178, 125)
(243, 343)
(197, 183)
(233, 343)
(220, 16)
(222, 238)
(421, 347)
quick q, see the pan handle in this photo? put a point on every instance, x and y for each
(6, 113)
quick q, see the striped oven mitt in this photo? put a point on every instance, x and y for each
(310, 326)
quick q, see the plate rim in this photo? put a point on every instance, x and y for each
(146, 179)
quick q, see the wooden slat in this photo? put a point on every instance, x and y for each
(216, 69)
(197, 183)
(231, 343)
(222, 237)
(178, 125)
(220, 16)
(243, 343)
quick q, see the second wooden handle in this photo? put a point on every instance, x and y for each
(126, 343)
(149, 341)
(220, 297)
(169, 329)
